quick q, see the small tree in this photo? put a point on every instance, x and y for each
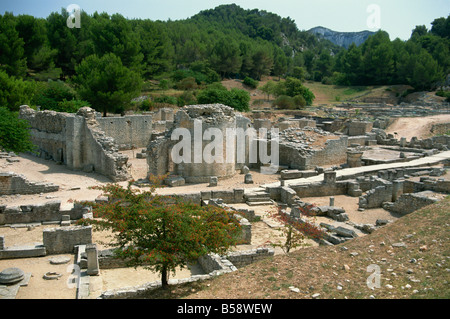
(162, 233)
(295, 230)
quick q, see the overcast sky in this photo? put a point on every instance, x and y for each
(397, 17)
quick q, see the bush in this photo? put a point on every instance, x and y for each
(293, 87)
(284, 102)
(50, 94)
(250, 82)
(71, 106)
(164, 84)
(146, 105)
(15, 92)
(187, 98)
(187, 84)
(299, 101)
(445, 94)
(14, 133)
(235, 98)
(165, 99)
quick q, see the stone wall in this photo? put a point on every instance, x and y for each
(357, 128)
(12, 184)
(244, 258)
(333, 153)
(39, 213)
(296, 152)
(197, 120)
(63, 240)
(408, 203)
(128, 131)
(77, 141)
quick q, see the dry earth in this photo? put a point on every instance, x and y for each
(417, 126)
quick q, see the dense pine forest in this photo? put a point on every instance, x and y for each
(110, 60)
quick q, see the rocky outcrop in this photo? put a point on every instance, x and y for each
(343, 39)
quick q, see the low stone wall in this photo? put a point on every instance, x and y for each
(244, 258)
(38, 213)
(234, 196)
(333, 153)
(408, 203)
(63, 240)
(440, 186)
(12, 184)
(321, 189)
(356, 128)
(377, 196)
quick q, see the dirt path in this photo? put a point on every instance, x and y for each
(417, 126)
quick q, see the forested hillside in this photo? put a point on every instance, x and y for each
(110, 60)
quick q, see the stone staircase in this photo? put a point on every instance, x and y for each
(258, 198)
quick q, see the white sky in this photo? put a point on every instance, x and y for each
(397, 17)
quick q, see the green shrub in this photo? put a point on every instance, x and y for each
(14, 132)
(299, 101)
(49, 95)
(235, 98)
(187, 84)
(187, 98)
(250, 82)
(146, 105)
(71, 106)
(165, 99)
(445, 94)
(284, 102)
(15, 92)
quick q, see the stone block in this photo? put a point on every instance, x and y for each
(175, 181)
(248, 179)
(63, 240)
(213, 181)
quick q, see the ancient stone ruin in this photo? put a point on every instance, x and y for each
(317, 158)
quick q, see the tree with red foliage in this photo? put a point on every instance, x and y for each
(295, 230)
(162, 233)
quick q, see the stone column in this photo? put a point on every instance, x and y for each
(92, 260)
(331, 201)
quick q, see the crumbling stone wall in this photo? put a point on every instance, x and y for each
(297, 149)
(131, 131)
(215, 116)
(356, 128)
(38, 213)
(77, 141)
(63, 240)
(12, 184)
(408, 203)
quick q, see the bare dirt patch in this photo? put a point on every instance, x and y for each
(419, 127)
